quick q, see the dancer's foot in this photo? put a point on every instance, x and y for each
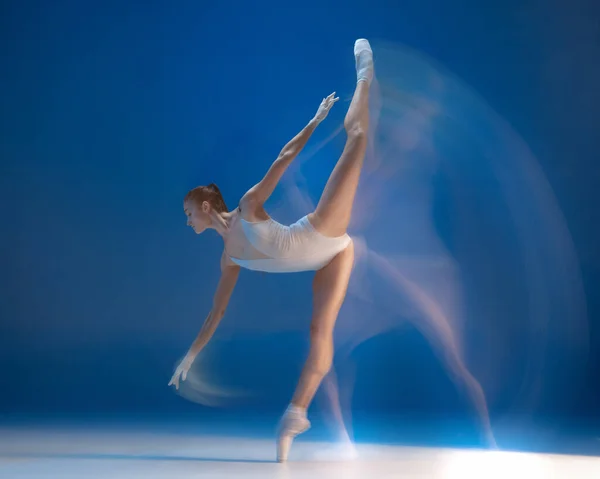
(292, 423)
(364, 60)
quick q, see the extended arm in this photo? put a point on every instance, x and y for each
(259, 193)
(224, 290)
(229, 277)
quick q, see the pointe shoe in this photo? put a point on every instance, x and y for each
(364, 60)
(291, 424)
(362, 44)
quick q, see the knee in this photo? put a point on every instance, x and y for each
(320, 358)
(356, 132)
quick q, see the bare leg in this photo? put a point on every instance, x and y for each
(329, 290)
(333, 212)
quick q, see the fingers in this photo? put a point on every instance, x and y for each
(331, 99)
(175, 379)
(180, 373)
(325, 106)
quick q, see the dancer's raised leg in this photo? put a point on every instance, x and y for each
(331, 218)
(332, 215)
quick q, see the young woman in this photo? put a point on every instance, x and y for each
(316, 242)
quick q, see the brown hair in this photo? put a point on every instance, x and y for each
(210, 193)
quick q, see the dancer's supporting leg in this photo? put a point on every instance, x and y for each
(329, 290)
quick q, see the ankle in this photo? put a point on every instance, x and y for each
(296, 410)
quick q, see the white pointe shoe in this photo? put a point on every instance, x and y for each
(364, 60)
(291, 424)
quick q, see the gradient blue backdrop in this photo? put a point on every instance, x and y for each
(111, 111)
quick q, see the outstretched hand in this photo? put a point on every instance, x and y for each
(325, 106)
(181, 372)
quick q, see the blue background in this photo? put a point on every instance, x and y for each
(112, 111)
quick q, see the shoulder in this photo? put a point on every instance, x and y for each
(250, 200)
(251, 208)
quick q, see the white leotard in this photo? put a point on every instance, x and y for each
(289, 249)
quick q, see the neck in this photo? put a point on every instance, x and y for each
(220, 222)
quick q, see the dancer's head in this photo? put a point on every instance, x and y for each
(201, 205)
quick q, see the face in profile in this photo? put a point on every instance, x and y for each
(198, 216)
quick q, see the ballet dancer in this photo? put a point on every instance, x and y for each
(317, 242)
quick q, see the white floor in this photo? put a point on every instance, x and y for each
(109, 453)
